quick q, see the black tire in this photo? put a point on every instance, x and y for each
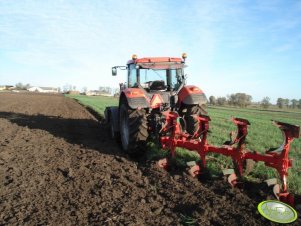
(113, 135)
(188, 112)
(133, 129)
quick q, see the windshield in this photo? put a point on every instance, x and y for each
(162, 80)
(161, 77)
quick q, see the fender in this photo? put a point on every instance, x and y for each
(192, 95)
(135, 97)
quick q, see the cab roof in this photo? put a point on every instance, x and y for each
(156, 60)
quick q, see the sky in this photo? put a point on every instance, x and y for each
(232, 45)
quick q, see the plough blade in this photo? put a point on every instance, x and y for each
(163, 163)
(231, 176)
(228, 171)
(194, 171)
(232, 179)
(276, 190)
(272, 181)
(191, 163)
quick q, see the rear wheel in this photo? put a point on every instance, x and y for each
(188, 112)
(133, 129)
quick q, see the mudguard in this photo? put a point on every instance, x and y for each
(191, 95)
(136, 98)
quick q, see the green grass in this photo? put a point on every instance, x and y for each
(98, 103)
(262, 135)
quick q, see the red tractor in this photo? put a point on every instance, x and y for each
(156, 101)
(154, 85)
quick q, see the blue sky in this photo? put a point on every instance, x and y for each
(232, 46)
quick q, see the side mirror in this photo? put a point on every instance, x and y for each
(114, 71)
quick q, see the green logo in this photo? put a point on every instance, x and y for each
(277, 211)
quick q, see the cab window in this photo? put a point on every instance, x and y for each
(132, 76)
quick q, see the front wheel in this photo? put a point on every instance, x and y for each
(133, 129)
(188, 112)
(113, 134)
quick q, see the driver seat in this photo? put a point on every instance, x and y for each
(157, 85)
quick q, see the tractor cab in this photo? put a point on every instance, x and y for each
(154, 74)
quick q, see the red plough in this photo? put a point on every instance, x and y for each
(276, 158)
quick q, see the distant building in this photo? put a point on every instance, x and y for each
(6, 87)
(74, 92)
(97, 93)
(93, 93)
(43, 89)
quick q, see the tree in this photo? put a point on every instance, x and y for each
(212, 100)
(231, 99)
(280, 102)
(221, 101)
(286, 102)
(239, 99)
(294, 103)
(20, 86)
(299, 104)
(265, 103)
(67, 88)
(84, 89)
(106, 89)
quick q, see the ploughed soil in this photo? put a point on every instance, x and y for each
(58, 166)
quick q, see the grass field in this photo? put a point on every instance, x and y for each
(98, 103)
(262, 134)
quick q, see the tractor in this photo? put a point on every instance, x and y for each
(156, 103)
(154, 85)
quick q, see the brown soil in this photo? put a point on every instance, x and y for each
(58, 167)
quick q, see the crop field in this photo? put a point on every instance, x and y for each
(262, 134)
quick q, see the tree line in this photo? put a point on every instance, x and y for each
(286, 103)
(21, 86)
(244, 100)
(235, 99)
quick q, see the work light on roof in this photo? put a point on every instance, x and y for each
(134, 57)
